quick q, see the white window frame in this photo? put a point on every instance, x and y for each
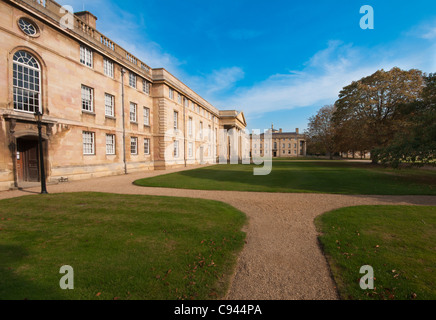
(88, 143)
(176, 120)
(87, 99)
(86, 56)
(134, 146)
(109, 105)
(108, 67)
(190, 149)
(132, 80)
(147, 146)
(110, 144)
(201, 130)
(133, 112)
(190, 123)
(171, 93)
(21, 70)
(176, 149)
(146, 116)
(146, 86)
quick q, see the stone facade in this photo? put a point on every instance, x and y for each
(105, 112)
(283, 144)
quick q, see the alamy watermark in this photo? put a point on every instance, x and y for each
(367, 21)
(367, 281)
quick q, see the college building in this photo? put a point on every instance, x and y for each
(105, 112)
(283, 144)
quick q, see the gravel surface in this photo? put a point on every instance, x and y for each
(282, 259)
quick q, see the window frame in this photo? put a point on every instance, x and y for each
(108, 67)
(15, 81)
(112, 106)
(147, 150)
(135, 112)
(113, 145)
(146, 116)
(133, 80)
(85, 143)
(91, 103)
(86, 54)
(134, 143)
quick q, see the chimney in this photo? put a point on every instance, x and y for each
(297, 131)
(88, 18)
(281, 131)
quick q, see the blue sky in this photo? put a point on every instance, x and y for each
(278, 61)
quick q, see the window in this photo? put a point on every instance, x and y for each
(171, 94)
(179, 98)
(133, 145)
(132, 80)
(193, 106)
(275, 145)
(201, 130)
(27, 27)
(146, 86)
(109, 105)
(26, 82)
(176, 149)
(176, 120)
(210, 133)
(190, 149)
(88, 143)
(147, 146)
(110, 144)
(186, 103)
(133, 112)
(146, 116)
(86, 56)
(108, 67)
(190, 127)
(87, 99)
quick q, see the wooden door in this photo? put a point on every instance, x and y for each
(27, 160)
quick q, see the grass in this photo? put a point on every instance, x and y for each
(399, 242)
(337, 177)
(120, 247)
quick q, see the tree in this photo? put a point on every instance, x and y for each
(416, 143)
(321, 132)
(368, 112)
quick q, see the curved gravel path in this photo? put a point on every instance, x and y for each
(281, 259)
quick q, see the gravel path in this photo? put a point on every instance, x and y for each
(281, 259)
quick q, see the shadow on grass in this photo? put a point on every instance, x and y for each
(12, 264)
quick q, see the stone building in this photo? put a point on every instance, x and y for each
(283, 144)
(105, 112)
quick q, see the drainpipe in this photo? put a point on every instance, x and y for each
(184, 133)
(123, 71)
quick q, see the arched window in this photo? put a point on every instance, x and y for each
(27, 82)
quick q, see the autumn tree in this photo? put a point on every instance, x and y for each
(415, 144)
(368, 112)
(320, 132)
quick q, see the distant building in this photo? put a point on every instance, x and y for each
(284, 144)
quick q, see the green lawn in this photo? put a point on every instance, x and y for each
(305, 176)
(120, 246)
(399, 242)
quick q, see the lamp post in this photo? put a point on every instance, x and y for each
(38, 118)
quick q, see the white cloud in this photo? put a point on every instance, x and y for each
(324, 76)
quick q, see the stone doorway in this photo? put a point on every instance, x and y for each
(27, 160)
